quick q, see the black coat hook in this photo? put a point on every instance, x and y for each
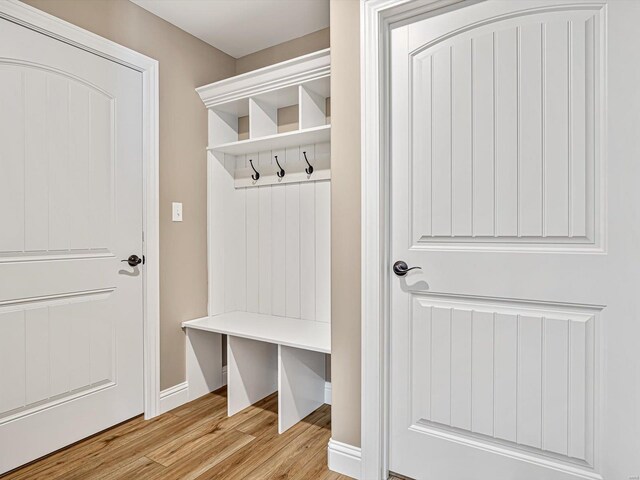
(280, 173)
(309, 170)
(257, 175)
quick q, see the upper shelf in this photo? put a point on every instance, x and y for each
(306, 136)
(312, 69)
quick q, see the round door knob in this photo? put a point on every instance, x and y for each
(400, 268)
(133, 261)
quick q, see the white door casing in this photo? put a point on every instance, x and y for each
(77, 147)
(511, 353)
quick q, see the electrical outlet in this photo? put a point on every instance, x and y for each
(176, 212)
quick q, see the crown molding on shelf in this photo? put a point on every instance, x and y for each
(280, 75)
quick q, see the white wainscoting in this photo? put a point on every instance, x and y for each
(270, 246)
(344, 458)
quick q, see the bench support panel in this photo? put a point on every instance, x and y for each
(301, 384)
(252, 372)
(204, 362)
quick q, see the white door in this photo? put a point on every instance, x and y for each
(70, 210)
(515, 169)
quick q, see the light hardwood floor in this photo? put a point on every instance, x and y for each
(197, 441)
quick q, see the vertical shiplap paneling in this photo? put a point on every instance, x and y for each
(422, 147)
(482, 376)
(80, 318)
(265, 231)
(461, 342)
(278, 235)
(483, 136)
(462, 141)
(216, 228)
(556, 382)
(577, 130)
(12, 360)
(292, 241)
(278, 243)
(308, 251)
(556, 121)
(36, 184)
(323, 250)
(59, 348)
(78, 167)
(235, 253)
(253, 249)
(506, 135)
(57, 112)
(577, 413)
(308, 245)
(421, 358)
(441, 365)
(530, 131)
(100, 170)
(505, 376)
(441, 161)
(240, 224)
(530, 381)
(12, 160)
(37, 354)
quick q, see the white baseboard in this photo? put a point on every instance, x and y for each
(174, 397)
(344, 459)
(327, 393)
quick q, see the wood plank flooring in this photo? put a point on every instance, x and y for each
(197, 441)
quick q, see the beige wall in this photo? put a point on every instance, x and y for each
(345, 220)
(185, 63)
(284, 51)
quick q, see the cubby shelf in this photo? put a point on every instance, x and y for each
(305, 136)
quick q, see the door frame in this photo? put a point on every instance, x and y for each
(34, 19)
(377, 19)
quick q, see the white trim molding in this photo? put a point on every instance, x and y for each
(273, 77)
(34, 19)
(173, 397)
(344, 459)
(377, 20)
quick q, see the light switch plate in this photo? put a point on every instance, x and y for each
(176, 211)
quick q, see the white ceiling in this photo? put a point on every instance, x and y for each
(241, 27)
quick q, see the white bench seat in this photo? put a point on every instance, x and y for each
(292, 332)
(265, 353)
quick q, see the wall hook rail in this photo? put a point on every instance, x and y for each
(281, 172)
(257, 175)
(308, 170)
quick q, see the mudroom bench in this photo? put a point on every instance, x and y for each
(265, 353)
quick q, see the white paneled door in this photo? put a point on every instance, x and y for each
(70, 210)
(514, 186)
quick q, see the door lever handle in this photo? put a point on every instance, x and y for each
(133, 260)
(400, 268)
